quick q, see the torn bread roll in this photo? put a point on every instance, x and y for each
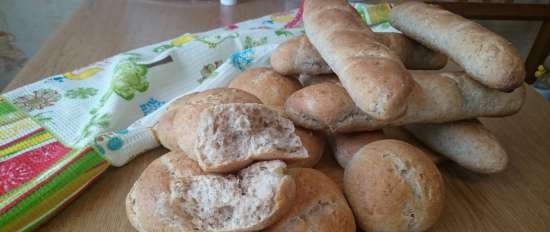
(373, 74)
(197, 126)
(467, 143)
(270, 87)
(181, 116)
(441, 97)
(231, 136)
(298, 56)
(344, 146)
(393, 186)
(319, 205)
(174, 194)
(484, 55)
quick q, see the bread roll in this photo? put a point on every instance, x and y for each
(173, 194)
(484, 55)
(270, 87)
(344, 146)
(442, 97)
(319, 205)
(393, 186)
(373, 74)
(468, 143)
(231, 136)
(182, 115)
(298, 56)
(314, 142)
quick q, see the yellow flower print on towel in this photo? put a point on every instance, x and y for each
(82, 74)
(284, 17)
(181, 40)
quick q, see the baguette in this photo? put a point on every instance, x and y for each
(174, 194)
(393, 186)
(298, 56)
(319, 205)
(373, 74)
(484, 55)
(468, 143)
(438, 98)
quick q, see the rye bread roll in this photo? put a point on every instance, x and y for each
(270, 87)
(438, 98)
(484, 55)
(372, 73)
(181, 116)
(319, 205)
(393, 186)
(467, 143)
(298, 56)
(173, 194)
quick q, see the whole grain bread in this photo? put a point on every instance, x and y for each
(298, 56)
(270, 87)
(372, 73)
(231, 136)
(484, 55)
(173, 194)
(438, 98)
(176, 129)
(319, 205)
(468, 143)
(393, 186)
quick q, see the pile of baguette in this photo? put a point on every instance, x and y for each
(244, 158)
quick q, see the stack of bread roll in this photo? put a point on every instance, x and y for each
(247, 157)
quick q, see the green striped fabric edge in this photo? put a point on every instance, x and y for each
(88, 160)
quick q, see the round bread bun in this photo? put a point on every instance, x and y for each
(173, 194)
(393, 186)
(270, 87)
(319, 205)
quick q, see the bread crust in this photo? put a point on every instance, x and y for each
(468, 143)
(270, 87)
(483, 54)
(157, 201)
(373, 74)
(314, 142)
(393, 186)
(344, 146)
(319, 205)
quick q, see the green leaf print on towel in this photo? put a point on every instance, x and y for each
(217, 40)
(208, 70)
(250, 43)
(283, 32)
(97, 122)
(129, 77)
(81, 93)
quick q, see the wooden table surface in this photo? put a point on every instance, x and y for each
(517, 199)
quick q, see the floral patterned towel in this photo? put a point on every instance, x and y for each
(58, 134)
